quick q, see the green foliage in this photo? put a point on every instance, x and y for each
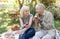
(57, 23)
(32, 10)
(48, 2)
(5, 22)
(55, 11)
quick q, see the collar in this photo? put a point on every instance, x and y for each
(44, 12)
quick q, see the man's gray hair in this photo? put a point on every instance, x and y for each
(40, 5)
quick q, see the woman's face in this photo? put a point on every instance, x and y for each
(26, 12)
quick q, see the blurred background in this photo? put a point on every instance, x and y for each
(9, 11)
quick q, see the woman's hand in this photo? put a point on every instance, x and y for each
(21, 32)
(26, 24)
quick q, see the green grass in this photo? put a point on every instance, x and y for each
(57, 23)
(5, 22)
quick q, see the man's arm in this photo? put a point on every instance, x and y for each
(49, 22)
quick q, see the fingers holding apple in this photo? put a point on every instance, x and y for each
(36, 18)
(26, 24)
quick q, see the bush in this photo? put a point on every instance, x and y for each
(55, 11)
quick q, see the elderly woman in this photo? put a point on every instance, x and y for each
(46, 20)
(26, 31)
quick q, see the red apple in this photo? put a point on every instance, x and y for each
(36, 17)
(27, 23)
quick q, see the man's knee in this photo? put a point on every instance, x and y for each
(38, 35)
(47, 37)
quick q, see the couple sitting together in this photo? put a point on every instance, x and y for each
(41, 26)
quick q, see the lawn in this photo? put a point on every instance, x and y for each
(5, 22)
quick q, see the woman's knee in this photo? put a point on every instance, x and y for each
(30, 33)
(31, 30)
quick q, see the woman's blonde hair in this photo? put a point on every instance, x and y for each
(23, 9)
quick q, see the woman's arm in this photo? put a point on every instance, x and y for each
(30, 22)
(49, 22)
(21, 22)
(27, 27)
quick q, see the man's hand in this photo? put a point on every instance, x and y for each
(36, 18)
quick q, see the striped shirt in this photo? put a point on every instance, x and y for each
(47, 20)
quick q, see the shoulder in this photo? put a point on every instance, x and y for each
(21, 18)
(31, 15)
(47, 13)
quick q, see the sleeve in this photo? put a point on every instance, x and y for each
(49, 21)
(30, 21)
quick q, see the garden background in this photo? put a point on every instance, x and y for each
(9, 11)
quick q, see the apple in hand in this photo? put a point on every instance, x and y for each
(27, 24)
(36, 17)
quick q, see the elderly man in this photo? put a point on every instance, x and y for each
(46, 19)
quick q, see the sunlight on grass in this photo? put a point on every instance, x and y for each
(0, 18)
(3, 29)
(5, 24)
(57, 23)
(1, 12)
(9, 27)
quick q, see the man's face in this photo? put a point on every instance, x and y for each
(39, 10)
